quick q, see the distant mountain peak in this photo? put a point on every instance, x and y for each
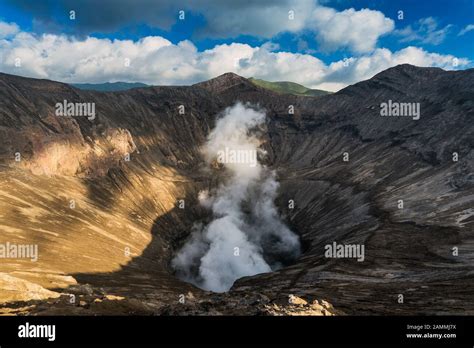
(224, 81)
(411, 70)
(227, 77)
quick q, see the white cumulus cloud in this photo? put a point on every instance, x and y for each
(8, 29)
(155, 60)
(356, 30)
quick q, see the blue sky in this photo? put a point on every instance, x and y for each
(365, 34)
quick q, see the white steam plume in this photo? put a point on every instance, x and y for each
(246, 236)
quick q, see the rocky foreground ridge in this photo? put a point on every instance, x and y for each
(106, 227)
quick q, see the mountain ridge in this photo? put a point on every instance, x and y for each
(226, 78)
(109, 86)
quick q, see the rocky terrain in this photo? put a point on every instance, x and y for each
(101, 198)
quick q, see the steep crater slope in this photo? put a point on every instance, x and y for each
(127, 224)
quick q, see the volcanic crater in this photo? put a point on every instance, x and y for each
(107, 228)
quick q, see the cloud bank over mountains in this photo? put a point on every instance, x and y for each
(84, 58)
(155, 60)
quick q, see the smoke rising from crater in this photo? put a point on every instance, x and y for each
(246, 236)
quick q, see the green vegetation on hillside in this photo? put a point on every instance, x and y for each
(288, 88)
